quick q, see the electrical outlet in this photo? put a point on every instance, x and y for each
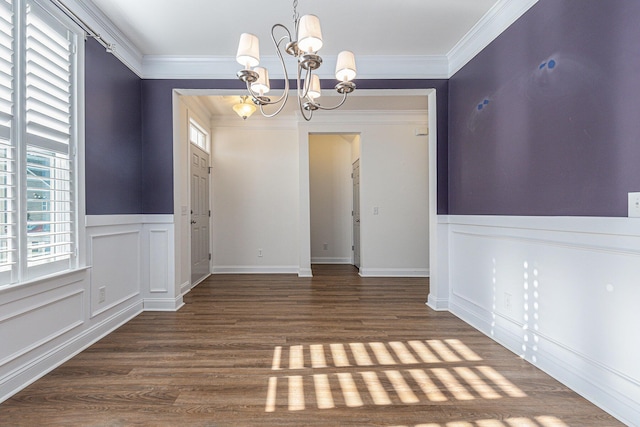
(634, 205)
(325, 247)
(259, 253)
(102, 295)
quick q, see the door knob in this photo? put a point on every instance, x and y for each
(193, 221)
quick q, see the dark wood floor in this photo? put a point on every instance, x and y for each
(334, 350)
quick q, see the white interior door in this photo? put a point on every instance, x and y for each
(200, 215)
(356, 213)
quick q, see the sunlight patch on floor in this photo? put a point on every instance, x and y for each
(327, 376)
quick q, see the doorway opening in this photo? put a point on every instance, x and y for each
(334, 198)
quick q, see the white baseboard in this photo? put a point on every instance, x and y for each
(163, 304)
(438, 304)
(330, 260)
(257, 269)
(394, 272)
(186, 287)
(305, 272)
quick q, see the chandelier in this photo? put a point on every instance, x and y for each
(305, 49)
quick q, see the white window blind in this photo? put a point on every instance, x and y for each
(8, 205)
(49, 195)
(37, 140)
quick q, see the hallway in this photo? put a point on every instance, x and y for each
(278, 350)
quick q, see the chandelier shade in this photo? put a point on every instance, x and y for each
(309, 34)
(248, 50)
(305, 48)
(346, 66)
(314, 88)
(261, 86)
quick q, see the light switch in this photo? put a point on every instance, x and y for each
(634, 205)
(375, 210)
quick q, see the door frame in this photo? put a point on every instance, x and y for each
(438, 289)
(191, 117)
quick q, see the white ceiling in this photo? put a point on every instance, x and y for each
(367, 27)
(391, 39)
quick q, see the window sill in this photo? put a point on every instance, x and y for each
(65, 277)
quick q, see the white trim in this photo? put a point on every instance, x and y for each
(620, 226)
(330, 260)
(493, 23)
(163, 304)
(394, 272)
(257, 269)
(225, 67)
(186, 287)
(305, 272)
(437, 304)
(111, 220)
(124, 49)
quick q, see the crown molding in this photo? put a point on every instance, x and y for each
(493, 23)
(225, 67)
(122, 49)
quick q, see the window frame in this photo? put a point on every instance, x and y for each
(193, 123)
(20, 273)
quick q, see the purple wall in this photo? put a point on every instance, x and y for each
(545, 120)
(157, 132)
(113, 150)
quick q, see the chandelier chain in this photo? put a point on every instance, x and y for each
(296, 15)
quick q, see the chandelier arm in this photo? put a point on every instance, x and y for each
(285, 96)
(303, 111)
(306, 86)
(344, 98)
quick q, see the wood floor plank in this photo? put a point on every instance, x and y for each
(277, 350)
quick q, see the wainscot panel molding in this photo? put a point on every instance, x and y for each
(158, 257)
(144, 261)
(530, 284)
(115, 259)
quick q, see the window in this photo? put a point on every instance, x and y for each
(38, 215)
(198, 136)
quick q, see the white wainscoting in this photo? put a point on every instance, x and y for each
(138, 248)
(45, 322)
(561, 292)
